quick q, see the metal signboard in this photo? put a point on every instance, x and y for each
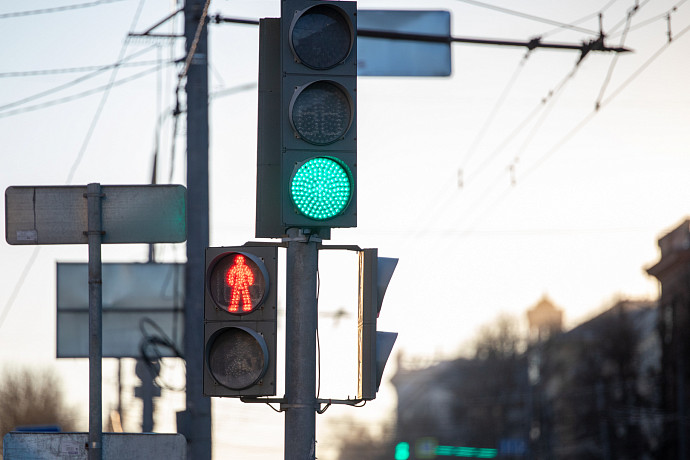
(130, 214)
(73, 446)
(388, 57)
(140, 301)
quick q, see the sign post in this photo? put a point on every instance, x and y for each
(94, 231)
(94, 215)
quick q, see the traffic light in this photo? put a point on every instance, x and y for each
(309, 178)
(240, 321)
(374, 346)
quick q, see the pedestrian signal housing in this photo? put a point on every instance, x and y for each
(240, 321)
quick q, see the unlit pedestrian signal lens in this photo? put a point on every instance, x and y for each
(321, 188)
(237, 357)
(237, 283)
(322, 37)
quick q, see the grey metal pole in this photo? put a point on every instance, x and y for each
(197, 423)
(300, 348)
(94, 232)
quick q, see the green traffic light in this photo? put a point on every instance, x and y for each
(402, 451)
(321, 188)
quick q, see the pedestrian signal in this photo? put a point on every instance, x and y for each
(240, 321)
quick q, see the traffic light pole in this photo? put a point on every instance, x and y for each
(300, 346)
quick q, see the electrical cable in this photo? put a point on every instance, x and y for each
(529, 16)
(56, 9)
(494, 111)
(74, 97)
(546, 104)
(582, 19)
(32, 259)
(150, 350)
(195, 42)
(439, 205)
(614, 61)
(70, 83)
(557, 146)
(646, 22)
(104, 98)
(634, 9)
(643, 67)
(91, 68)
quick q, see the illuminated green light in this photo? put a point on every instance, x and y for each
(467, 452)
(321, 188)
(402, 451)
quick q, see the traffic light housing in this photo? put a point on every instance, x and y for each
(240, 312)
(307, 145)
(374, 347)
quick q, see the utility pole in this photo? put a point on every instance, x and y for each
(196, 423)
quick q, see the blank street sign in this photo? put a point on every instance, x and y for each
(130, 214)
(406, 58)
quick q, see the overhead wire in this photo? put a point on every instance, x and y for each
(440, 204)
(32, 259)
(484, 196)
(545, 105)
(663, 16)
(581, 20)
(626, 20)
(70, 83)
(62, 100)
(591, 115)
(56, 9)
(494, 111)
(614, 61)
(530, 17)
(103, 100)
(35, 73)
(643, 67)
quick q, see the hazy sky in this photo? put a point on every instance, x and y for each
(494, 187)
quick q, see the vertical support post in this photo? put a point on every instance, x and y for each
(196, 420)
(94, 233)
(300, 347)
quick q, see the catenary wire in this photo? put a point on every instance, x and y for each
(104, 98)
(56, 9)
(195, 42)
(614, 61)
(663, 16)
(543, 105)
(529, 16)
(32, 259)
(65, 99)
(91, 68)
(494, 111)
(591, 115)
(70, 83)
(581, 20)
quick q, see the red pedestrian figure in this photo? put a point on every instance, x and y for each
(240, 277)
